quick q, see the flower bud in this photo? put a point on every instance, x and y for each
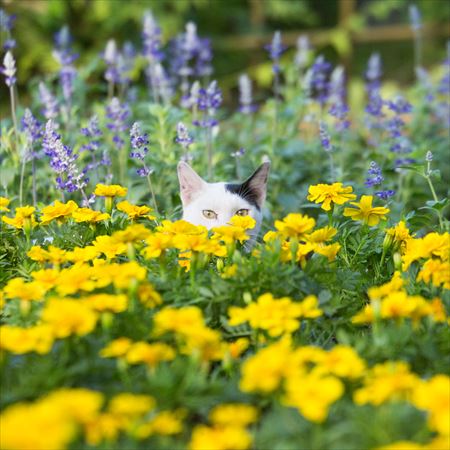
(247, 297)
(397, 261)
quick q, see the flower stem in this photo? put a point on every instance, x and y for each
(14, 116)
(433, 193)
(209, 147)
(150, 185)
(22, 176)
(33, 171)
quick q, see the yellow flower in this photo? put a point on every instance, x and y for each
(53, 255)
(312, 395)
(264, 371)
(433, 244)
(131, 405)
(233, 414)
(107, 302)
(433, 396)
(38, 338)
(182, 320)
(295, 225)
(395, 285)
(24, 218)
(113, 190)
(148, 296)
(230, 234)
(238, 347)
(132, 234)
(330, 193)
(157, 243)
(46, 427)
(123, 275)
(321, 235)
(89, 215)
(309, 307)
(244, 222)
(47, 278)
(150, 354)
(105, 426)
(82, 254)
(180, 227)
(385, 382)
(68, 317)
(191, 242)
(366, 315)
(437, 272)
(74, 279)
(164, 423)
(18, 288)
(58, 211)
(342, 361)
(109, 246)
(4, 202)
(116, 348)
(134, 212)
(80, 404)
(329, 251)
(366, 212)
(400, 234)
(220, 438)
(229, 271)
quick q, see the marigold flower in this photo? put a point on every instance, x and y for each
(330, 193)
(400, 234)
(117, 347)
(19, 288)
(329, 251)
(433, 396)
(68, 317)
(113, 190)
(233, 414)
(182, 320)
(321, 235)
(394, 285)
(58, 211)
(109, 246)
(180, 227)
(385, 382)
(230, 234)
(107, 302)
(295, 225)
(245, 222)
(135, 212)
(89, 215)
(436, 272)
(150, 354)
(74, 279)
(165, 423)
(82, 254)
(148, 296)
(342, 361)
(312, 395)
(4, 202)
(48, 278)
(220, 438)
(157, 243)
(366, 212)
(24, 218)
(38, 338)
(105, 426)
(130, 405)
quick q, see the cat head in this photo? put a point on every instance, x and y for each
(214, 204)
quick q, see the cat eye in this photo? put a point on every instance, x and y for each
(209, 214)
(242, 212)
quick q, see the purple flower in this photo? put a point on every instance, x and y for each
(415, 18)
(6, 21)
(139, 142)
(375, 176)
(118, 114)
(65, 57)
(429, 156)
(50, 104)
(111, 57)
(303, 48)
(337, 93)
(32, 127)
(399, 105)
(238, 153)
(245, 95)
(183, 138)
(375, 105)
(159, 83)
(374, 72)
(319, 79)
(151, 38)
(9, 69)
(62, 161)
(209, 101)
(275, 50)
(93, 132)
(385, 195)
(325, 137)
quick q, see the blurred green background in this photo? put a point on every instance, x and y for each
(345, 31)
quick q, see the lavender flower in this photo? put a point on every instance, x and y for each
(125, 62)
(337, 93)
(111, 56)
(238, 153)
(93, 132)
(303, 48)
(245, 95)
(160, 84)
(6, 25)
(32, 127)
(374, 72)
(275, 50)
(50, 104)
(65, 57)
(190, 100)
(385, 195)
(118, 114)
(209, 101)
(63, 161)
(325, 137)
(151, 37)
(183, 138)
(9, 69)
(415, 18)
(319, 79)
(399, 105)
(375, 176)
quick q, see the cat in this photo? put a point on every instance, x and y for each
(214, 204)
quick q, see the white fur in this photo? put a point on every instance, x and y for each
(197, 195)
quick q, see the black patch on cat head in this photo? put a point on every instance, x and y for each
(245, 191)
(253, 190)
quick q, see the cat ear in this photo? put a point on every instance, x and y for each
(257, 183)
(190, 182)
